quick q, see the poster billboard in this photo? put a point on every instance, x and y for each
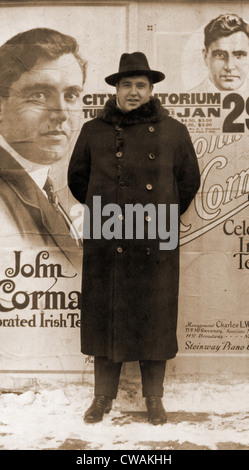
(210, 96)
(40, 282)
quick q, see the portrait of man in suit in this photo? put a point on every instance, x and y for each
(225, 54)
(41, 84)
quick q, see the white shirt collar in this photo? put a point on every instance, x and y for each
(37, 172)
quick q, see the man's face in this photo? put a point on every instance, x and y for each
(227, 61)
(132, 92)
(42, 113)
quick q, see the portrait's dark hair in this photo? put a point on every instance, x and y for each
(20, 53)
(224, 25)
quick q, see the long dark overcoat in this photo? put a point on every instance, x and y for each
(130, 286)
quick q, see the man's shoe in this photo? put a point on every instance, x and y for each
(156, 411)
(100, 405)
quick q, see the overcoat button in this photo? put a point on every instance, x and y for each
(149, 187)
(120, 217)
(152, 129)
(119, 249)
(147, 251)
(118, 128)
(122, 185)
(119, 154)
(148, 218)
(152, 156)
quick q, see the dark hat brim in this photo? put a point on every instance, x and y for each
(153, 75)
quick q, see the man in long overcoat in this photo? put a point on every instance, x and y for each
(132, 153)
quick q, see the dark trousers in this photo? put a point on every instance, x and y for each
(107, 373)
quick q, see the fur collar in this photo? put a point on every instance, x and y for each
(152, 111)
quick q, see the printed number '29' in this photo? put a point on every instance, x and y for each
(229, 125)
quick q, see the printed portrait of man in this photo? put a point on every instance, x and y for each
(226, 54)
(41, 80)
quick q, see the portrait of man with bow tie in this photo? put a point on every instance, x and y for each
(41, 85)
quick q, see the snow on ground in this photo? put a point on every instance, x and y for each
(207, 413)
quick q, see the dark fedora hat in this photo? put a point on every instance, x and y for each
(134, 64)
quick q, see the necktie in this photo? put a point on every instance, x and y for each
(49, 190)
(53, 199)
